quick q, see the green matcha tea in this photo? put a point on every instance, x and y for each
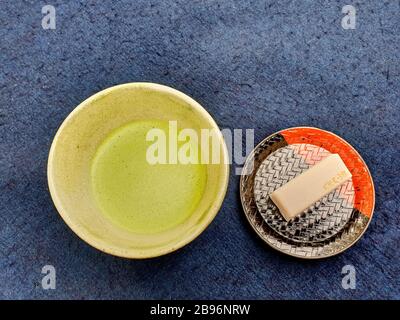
(139, 196)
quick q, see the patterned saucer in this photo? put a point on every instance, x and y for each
(331, 225)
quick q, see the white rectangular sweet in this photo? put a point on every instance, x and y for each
(301, 192)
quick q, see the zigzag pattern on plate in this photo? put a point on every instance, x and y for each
(322, 220)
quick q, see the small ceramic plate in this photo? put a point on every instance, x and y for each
(331, 225)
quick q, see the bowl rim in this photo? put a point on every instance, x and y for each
(134, 253)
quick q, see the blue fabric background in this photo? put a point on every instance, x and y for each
(266, 65)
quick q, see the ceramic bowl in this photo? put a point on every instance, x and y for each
(76, 142)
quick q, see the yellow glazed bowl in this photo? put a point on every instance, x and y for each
(76, 142)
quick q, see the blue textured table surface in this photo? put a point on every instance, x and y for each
(266, 65)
